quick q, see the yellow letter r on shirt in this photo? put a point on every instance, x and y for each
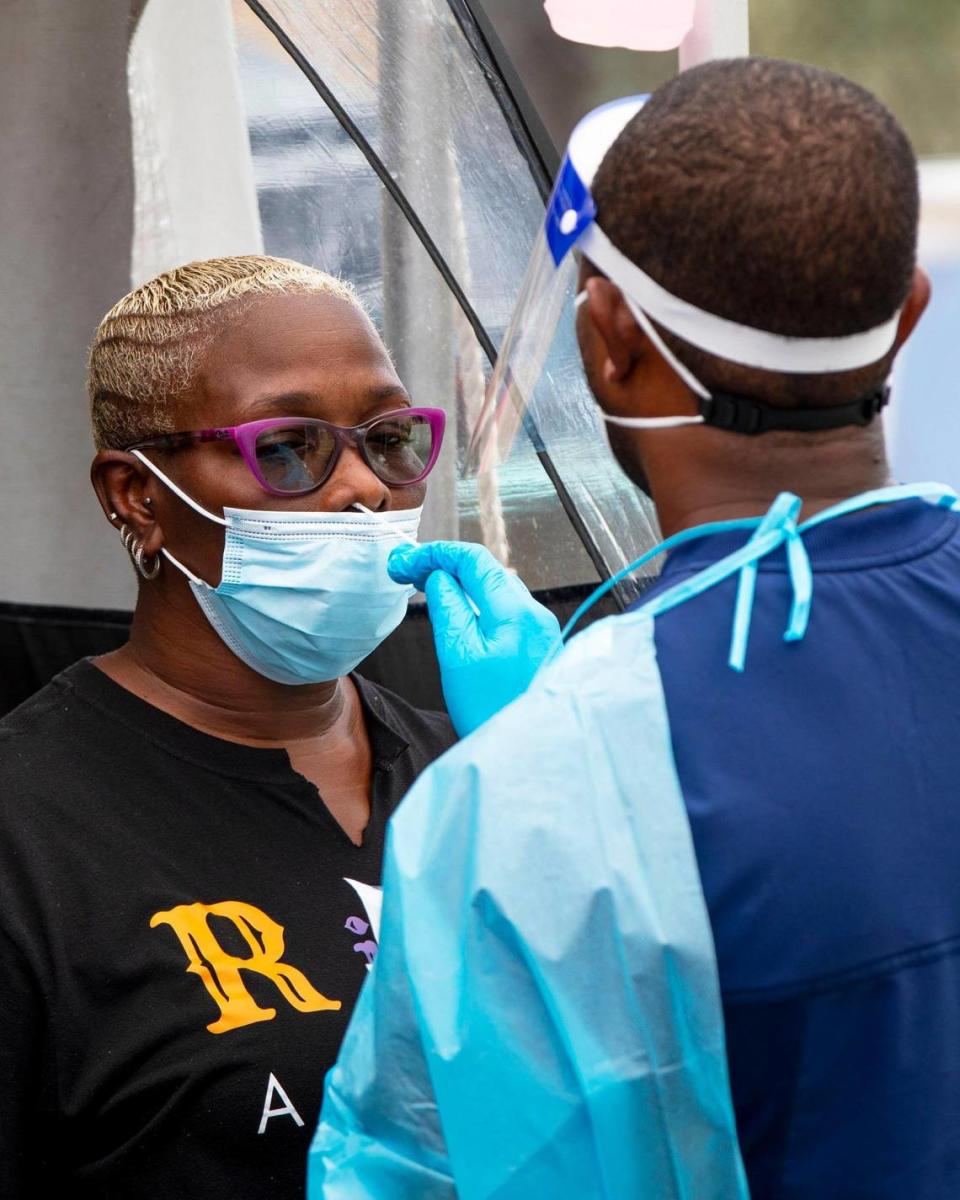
(220, 971)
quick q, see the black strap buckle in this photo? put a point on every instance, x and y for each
(743, 414)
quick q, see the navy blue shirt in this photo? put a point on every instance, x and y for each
(823, 790)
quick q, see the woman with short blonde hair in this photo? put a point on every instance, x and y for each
(191, 828)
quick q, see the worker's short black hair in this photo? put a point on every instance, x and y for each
(771, 193)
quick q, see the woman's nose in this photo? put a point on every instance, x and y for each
(353, 482)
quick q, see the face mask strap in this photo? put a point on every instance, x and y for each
(188, 500)
(182, 569)
(178, 491)
(686, 375)
(744, 415)
(651, 422)
(648, 327)
(745, 345)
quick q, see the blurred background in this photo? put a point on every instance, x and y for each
(907, 54)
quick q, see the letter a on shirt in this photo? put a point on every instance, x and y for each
(286, 1109)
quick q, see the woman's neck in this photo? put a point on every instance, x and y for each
(188, 672)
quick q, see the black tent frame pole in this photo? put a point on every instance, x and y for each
(397, 194)
(530, 134)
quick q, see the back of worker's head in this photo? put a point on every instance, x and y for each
(773, 194)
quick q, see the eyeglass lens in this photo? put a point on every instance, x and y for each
(398, 449)
(292, 458)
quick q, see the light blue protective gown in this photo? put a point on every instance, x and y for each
(554, 997)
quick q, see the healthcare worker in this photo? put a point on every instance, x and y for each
(685, 908)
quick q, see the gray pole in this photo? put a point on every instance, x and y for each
(66, 213)
(721, 29)
(418, 318)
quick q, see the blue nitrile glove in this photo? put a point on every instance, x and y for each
(486, 658)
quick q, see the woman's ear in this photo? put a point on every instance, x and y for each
(120, 481)
(915, 305)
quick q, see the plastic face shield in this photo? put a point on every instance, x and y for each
(550, 282)
(548, 287)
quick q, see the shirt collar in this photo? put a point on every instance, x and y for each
(387, 740)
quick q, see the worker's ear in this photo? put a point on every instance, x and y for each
(621, 340)
(915, 306)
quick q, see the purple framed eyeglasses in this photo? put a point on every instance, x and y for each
(289, 456)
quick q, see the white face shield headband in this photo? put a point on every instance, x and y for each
(549, 286)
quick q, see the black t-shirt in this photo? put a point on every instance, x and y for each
(184, 930)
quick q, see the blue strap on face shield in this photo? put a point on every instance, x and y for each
(777, 528)
(569, 211)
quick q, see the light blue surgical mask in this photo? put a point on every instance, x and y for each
(304, 596)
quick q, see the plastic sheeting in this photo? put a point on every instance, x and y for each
(413, 79)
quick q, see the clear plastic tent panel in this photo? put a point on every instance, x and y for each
(407, 76)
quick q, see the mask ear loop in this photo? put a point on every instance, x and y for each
(190, 502)
(182, 569)
(648, 327)
(684, 373)
(177, 490)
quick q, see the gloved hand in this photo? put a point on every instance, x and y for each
(487, 658)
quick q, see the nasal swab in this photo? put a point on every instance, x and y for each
(403, 537)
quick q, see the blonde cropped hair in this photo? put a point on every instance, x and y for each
(150, 345)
